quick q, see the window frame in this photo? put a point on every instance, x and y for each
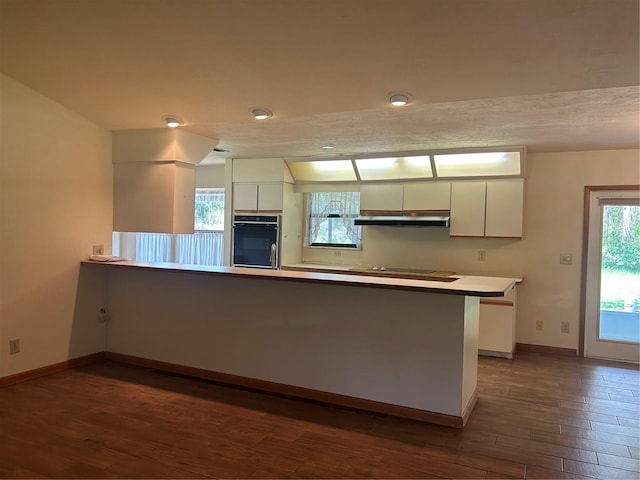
(331, 217)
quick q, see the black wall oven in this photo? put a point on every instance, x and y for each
(256, 241)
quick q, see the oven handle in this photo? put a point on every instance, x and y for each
(272, 257)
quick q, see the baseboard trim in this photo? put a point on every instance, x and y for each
(300, 392)
(527, 347)
(49, 369)
(470, 406)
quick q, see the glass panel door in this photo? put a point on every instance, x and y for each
(613, 277)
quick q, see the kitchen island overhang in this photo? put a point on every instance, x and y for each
(402, 347)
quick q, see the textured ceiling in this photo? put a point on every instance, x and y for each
(548, 74)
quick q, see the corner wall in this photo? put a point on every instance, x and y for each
(55, 203)
(553, 211)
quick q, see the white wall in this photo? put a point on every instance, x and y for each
(55, 203)
(210, 176)
(552, 225)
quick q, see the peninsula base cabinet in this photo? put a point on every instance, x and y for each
(497, 326)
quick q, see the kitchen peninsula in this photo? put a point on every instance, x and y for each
(398, 346)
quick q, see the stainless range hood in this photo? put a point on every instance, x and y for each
(404, 220)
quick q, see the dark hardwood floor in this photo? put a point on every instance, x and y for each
(538, 416)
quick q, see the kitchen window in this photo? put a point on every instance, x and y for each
(330, 219)
(203, 247)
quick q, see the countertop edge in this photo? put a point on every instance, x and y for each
(465, 285)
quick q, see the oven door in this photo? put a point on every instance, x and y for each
(255, 245)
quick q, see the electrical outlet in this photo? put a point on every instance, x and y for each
(539, 325)
(482, 255)
(98, 249)
(14, 346)
(337, 253)
(566, 259)
(564, 327)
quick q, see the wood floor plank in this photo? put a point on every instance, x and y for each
(551, 449)
(537, 416)
(598, 471)
(619, 462)
(581, 443)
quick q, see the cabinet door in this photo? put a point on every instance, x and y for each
(245, 197)
(381, 198)
(427, 197)
(467, 209)
(270, 197)
(249, 170)
(504, 208)
(496, 330)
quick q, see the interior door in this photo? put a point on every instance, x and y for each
(612, 280)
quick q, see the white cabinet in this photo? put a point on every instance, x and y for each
(270, 197)
(504, 208)
(245, 197)
(408, 197)
(497, 330)
(491, 209)
(427, 197)
(256, 170)
(257, 197)
(381, 197)
(467, 209)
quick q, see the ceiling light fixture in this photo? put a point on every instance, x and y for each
(399, 99)
(171, 121)
(260, 113)
(328, 147)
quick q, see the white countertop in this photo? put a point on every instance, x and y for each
(478, 286)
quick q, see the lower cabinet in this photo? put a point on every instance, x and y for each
(497, 336)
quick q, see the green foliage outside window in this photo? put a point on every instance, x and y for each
(621, 238)
(209, 209)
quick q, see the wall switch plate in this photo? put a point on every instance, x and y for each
(98, 250)
(14, 346)
(566, 259)
(482, 255)
(539, 325)
(564, 327)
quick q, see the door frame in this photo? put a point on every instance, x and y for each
(585, 255)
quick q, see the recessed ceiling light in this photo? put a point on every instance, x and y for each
(399, 99)
(260, 113)
(172, 121)
(327, 147)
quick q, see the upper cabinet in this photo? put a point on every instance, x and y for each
(505, 202)
(491, 209)
(427, 197)
(260, 170)
(258, 197)
(380, 197)
(418, 197)
(467, 209)
(258, 185)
